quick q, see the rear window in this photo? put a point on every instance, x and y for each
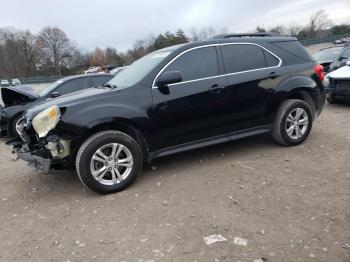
(295, 48)
(239, 58)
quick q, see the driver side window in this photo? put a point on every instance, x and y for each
(73, 86)
(196, 64)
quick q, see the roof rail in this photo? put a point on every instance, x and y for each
(267, 34)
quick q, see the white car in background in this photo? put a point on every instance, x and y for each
(4, 83)
(92, 70)
(15, 82)
(338, 84)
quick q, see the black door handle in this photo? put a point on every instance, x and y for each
(215, 88)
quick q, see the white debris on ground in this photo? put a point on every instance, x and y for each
(240, 241)
(214, 239)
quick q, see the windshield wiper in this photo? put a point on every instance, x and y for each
(110, 86)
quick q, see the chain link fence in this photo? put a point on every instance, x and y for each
(324, 39)
(40, 79)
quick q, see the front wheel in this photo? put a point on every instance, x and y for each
(108, 162)
(15, 126)
(293, 122)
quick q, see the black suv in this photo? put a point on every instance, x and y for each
(176, 99)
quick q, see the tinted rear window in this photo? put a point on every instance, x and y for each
(295, 48)
(238, 58)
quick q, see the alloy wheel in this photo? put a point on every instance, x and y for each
(297, 123)
(111, 164)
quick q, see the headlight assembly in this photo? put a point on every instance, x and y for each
(46, 120)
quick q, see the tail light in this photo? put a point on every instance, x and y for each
(319, 70)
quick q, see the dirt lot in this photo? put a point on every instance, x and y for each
(291, 204)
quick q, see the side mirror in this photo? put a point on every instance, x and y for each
(168, 78)
(54, 95)
(342, 58)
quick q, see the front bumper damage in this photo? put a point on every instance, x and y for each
(38, 163)
(43, 155)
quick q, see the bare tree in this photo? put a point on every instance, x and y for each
(55, 45)
(318, 22)
(29, 50)
(203, 34)
(98, 58)
(279, 29)
(293, 30)
(260, 29)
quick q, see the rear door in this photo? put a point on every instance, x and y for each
(252, 74)
(191, 110)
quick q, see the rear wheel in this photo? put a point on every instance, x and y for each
(108, 162)
(293, 122)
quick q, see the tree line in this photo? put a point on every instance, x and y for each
(319, 25)
(52, 52)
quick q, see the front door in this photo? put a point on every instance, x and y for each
(191, 110)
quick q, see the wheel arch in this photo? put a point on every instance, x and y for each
(304, 94)
(124, 125)
(299, 87)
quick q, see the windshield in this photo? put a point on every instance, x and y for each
(50, 88)
(138, 70)
(327, 54)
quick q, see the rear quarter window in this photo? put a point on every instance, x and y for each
(270, 59)
(294, 48)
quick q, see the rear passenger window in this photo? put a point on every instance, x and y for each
(270, 59)
(238, 58)
(196, 64)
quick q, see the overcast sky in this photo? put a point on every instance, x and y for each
(120, 23)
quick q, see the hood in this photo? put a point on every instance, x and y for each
(14, 95)
(341, 73)
(90, 95)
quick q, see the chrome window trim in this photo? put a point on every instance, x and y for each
(215, 45)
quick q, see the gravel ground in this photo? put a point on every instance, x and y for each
(291, 204)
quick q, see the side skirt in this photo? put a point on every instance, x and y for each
(210, 141)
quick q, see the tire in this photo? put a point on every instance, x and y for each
(287, 117)
(109, 180)
(13, 127)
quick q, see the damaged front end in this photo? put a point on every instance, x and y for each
(42, 150)
(14, 98)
